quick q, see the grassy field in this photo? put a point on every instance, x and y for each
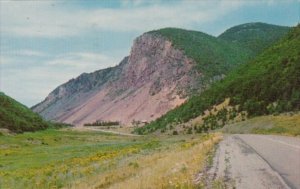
(78, 159)
(283, 124)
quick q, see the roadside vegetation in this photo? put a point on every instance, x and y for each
(67, 159)
(283, 124)
(267, 85)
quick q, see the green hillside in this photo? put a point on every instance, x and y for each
(18, 118)
(254, 36)
(268, 84)
(213, 56)
(219, 55)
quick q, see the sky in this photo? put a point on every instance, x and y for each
(45, 43)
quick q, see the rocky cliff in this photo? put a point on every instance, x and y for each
(153, 79)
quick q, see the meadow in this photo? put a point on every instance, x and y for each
(67, 158)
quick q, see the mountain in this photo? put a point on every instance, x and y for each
(17, 117)
(165, 67)
(145, 85)
(254, 36)
(266, 85)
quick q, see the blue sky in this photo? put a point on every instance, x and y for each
(45, 43)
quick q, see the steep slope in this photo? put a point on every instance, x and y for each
(164, 68)
(254, 36)
(269, 84)
(17, 117)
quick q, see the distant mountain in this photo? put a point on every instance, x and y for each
(17, 117)
(165, 67)
(254, 36)
(268, 84)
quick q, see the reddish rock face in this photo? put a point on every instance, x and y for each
(154, 79)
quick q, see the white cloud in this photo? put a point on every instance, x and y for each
(41, 19)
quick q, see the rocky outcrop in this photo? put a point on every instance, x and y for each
(155, 78)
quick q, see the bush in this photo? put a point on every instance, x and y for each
(103, 123)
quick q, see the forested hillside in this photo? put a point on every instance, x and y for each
(18, 118)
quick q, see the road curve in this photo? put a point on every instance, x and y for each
(257, 161)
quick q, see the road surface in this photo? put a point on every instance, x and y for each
(257, 161)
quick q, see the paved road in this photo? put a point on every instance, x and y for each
(257, 161)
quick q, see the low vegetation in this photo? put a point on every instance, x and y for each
(267, 85)
(78, 159)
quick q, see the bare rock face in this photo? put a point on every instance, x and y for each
(154, 79)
